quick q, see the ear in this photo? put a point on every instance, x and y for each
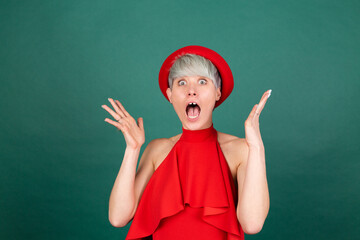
(168, 93)
(218, 93)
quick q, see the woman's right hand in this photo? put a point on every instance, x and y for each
(133, 132)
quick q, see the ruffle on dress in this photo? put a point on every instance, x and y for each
(194, 172)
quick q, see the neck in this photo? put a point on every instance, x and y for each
(207, 125)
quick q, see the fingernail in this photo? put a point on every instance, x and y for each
(269, 93)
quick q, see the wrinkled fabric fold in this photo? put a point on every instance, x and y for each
(195, 172)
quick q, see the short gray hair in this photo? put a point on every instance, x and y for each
(192, 64)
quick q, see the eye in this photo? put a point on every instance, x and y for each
(179, 82)
(203, 80)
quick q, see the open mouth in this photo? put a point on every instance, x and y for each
(193, 110)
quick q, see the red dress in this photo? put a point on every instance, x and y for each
(191, 195)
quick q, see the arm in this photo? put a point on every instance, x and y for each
(128, 186)
(253, 200)
(122, 197)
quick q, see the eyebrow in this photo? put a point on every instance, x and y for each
(200, 77)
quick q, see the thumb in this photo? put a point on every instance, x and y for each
(141, 123)
(252, 113)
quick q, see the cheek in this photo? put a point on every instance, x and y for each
(178, 96)
(210, 99)
(210, 95)
(177, 100)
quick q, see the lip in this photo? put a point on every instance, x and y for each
(191, 101)
(193, 119)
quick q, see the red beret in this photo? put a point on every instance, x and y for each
(227, 80)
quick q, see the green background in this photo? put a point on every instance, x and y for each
(61, 60)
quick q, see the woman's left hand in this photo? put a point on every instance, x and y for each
(252, 130)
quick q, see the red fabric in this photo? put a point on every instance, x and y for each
(190, 195)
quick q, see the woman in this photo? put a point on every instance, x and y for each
(200, 184)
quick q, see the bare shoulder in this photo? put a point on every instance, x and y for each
(161, 148)
(233, 147)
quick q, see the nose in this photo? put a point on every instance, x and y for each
(192, 91)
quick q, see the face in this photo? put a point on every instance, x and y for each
(200, 90)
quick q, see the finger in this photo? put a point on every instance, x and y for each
(114, 114)
(252, 113)
(114, 123)
(141, 123)
(122, 108)
(116, 107)
(263, 100)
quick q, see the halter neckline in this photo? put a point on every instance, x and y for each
(200, 135)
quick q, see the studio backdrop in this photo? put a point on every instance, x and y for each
(61, 60)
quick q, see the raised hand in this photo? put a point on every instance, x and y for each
(134, 133)
(252, 130)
